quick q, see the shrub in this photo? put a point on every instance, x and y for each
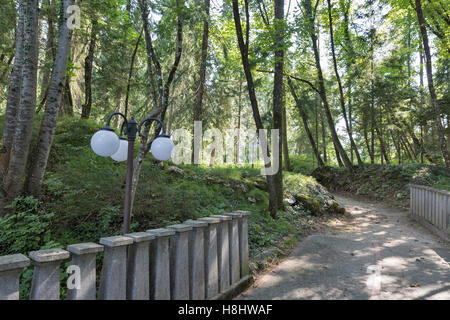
(27, 229)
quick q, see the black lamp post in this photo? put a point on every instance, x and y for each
(106, 143)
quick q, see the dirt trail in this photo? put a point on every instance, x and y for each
(376, 253)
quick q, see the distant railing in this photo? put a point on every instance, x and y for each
(197, 260)
(431, 206)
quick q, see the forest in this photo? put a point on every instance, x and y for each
(312, 116)
(348, 84)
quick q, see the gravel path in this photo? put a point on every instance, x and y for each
(377, 252)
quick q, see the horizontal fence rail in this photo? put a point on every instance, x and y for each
(197, 260)
(431, 206)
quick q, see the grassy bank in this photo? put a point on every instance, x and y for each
(388, 183)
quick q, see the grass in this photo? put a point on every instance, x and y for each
(388, 183)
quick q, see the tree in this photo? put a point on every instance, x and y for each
(198, 106)
(244, 50)
(14, 94)
(88, 65)
(49, 54)
(434, 103)
(20, 148)
(278, 91)
(160, 89)
(52, 106)
(341, 90)
(310, 15)
(304, 117)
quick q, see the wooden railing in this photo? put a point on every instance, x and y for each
(431, 207)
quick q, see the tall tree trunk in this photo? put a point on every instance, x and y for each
(130, 74)
(238, 140)
(284, 139)
(350, 122)
(304, 117)
(338, 157)
(49, 56)
(341, 90)
(66, 107)
(14, 94)
(421, 142)
(434, 103)
(313, 35)
(88, 67)
(366, 139)
(372, 97)
(403, 142)
(22, 138)
(382, 145)
(171, 114)
(278, 92)
(324, 137)
(397, 146)
(372, 134)
(56, 91)
(243, 47)
(198, 105)
(316, 122)
(160, 92)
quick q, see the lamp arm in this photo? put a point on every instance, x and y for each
(114, 114)
(150, 119)
(123, 129)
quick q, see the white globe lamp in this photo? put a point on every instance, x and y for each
(121, 154)
(105, 143)
(162, 148)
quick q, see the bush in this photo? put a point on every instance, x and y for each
(27, 229)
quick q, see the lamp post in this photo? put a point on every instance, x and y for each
(106, 143)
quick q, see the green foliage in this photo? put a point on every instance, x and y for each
(389, 183)
(27, 229)
(302, 164)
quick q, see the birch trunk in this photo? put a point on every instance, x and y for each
(13, 100)
(49, 56)
(56, 91)
(160, 91)
(24, 129)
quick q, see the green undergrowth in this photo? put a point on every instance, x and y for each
(83, 197)
(388, 183)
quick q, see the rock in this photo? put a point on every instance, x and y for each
(340, 210)
(242, 187)
(260, 184)
(252, 200)
(399, 195)
(291, 200)
(176, 170)
(309, 203)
